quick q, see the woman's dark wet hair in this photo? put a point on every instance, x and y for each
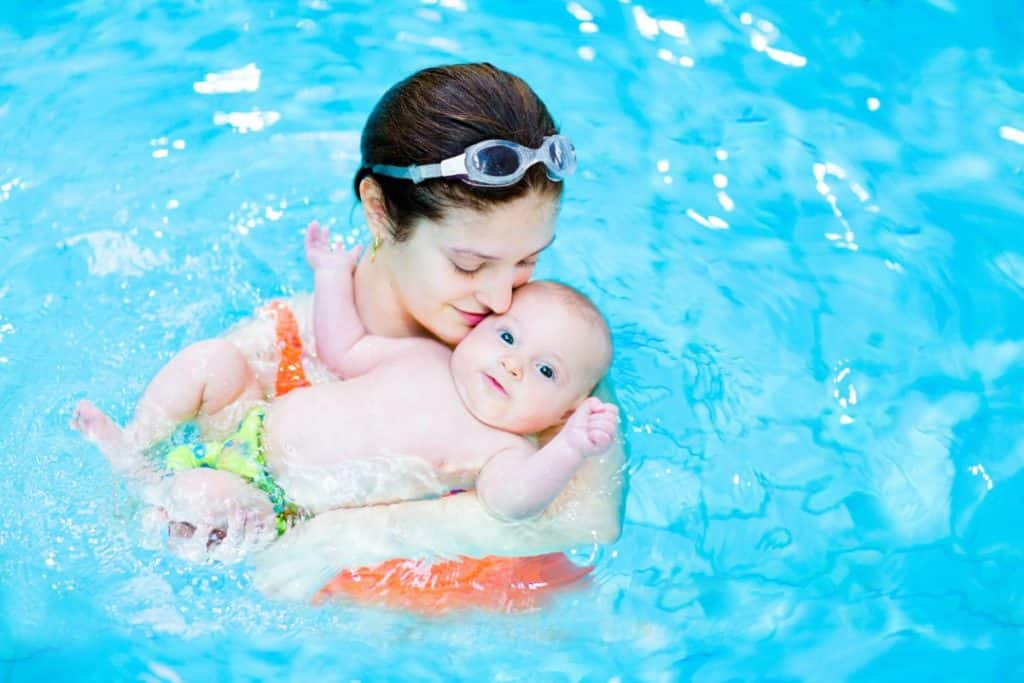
(437, 113)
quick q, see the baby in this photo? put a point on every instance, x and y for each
(457, 419)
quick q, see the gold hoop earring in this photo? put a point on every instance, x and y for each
(373, 248)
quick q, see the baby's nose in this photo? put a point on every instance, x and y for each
(510, 366)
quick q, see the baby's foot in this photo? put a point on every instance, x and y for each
(96, 426)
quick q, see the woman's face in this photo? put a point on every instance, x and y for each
(452, 273)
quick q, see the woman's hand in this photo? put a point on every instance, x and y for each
(302, 561)
(322, 256)
(592, 427)
(209, 515)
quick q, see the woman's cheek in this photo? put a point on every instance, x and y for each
(453, 287)
(523, 276)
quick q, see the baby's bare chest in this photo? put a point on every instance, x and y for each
(406, 409)
(420, 413)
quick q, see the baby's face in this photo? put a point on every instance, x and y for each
(525, 370)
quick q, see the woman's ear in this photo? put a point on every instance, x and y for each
(374, 208)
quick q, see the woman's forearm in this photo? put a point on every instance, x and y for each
(301, 562)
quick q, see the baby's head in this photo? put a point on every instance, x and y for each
(528, 369)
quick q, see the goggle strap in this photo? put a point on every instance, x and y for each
(424, 172)
(406, 172)
(452, 167)
(417, 174)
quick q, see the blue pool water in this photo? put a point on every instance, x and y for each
(803, 219)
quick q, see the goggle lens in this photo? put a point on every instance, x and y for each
(496, 161)
(557, 155)
(561, 158)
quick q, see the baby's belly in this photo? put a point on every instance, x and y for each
(351, 455)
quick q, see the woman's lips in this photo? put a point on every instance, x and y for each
(471, 319)
(495, 384)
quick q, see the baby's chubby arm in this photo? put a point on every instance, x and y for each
(519, 483)
(336, 324)
(342, 343)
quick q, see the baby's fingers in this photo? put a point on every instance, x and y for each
(317, 238)
(313, 234)
(587, 409)
(608, 421)
(599, 438)
(355, 253)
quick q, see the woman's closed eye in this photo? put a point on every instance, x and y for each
(472, 268)
(467, 268)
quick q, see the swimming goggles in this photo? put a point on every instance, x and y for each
(493, 163)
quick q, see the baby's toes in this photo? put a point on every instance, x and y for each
(80, 417)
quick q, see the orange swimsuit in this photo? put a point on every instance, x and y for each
(509, 584)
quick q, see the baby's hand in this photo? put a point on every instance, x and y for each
(592, 427)
(321, 255)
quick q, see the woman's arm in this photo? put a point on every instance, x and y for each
(588, 511)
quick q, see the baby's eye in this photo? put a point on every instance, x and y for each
(529, 263)
(507, 337)
(546, 370)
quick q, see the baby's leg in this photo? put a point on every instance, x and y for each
(256, 339)
(209, 381)
(97, 426)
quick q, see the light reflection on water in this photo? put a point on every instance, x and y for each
(801, 222)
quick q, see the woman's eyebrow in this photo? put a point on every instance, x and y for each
(487, 257)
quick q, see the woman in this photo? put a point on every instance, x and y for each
(446, 252)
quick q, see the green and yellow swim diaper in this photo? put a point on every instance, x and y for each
(241, 454)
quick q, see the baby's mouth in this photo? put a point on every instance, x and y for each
(495, 384)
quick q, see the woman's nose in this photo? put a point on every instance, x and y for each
(510, 366)
(496, 292)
